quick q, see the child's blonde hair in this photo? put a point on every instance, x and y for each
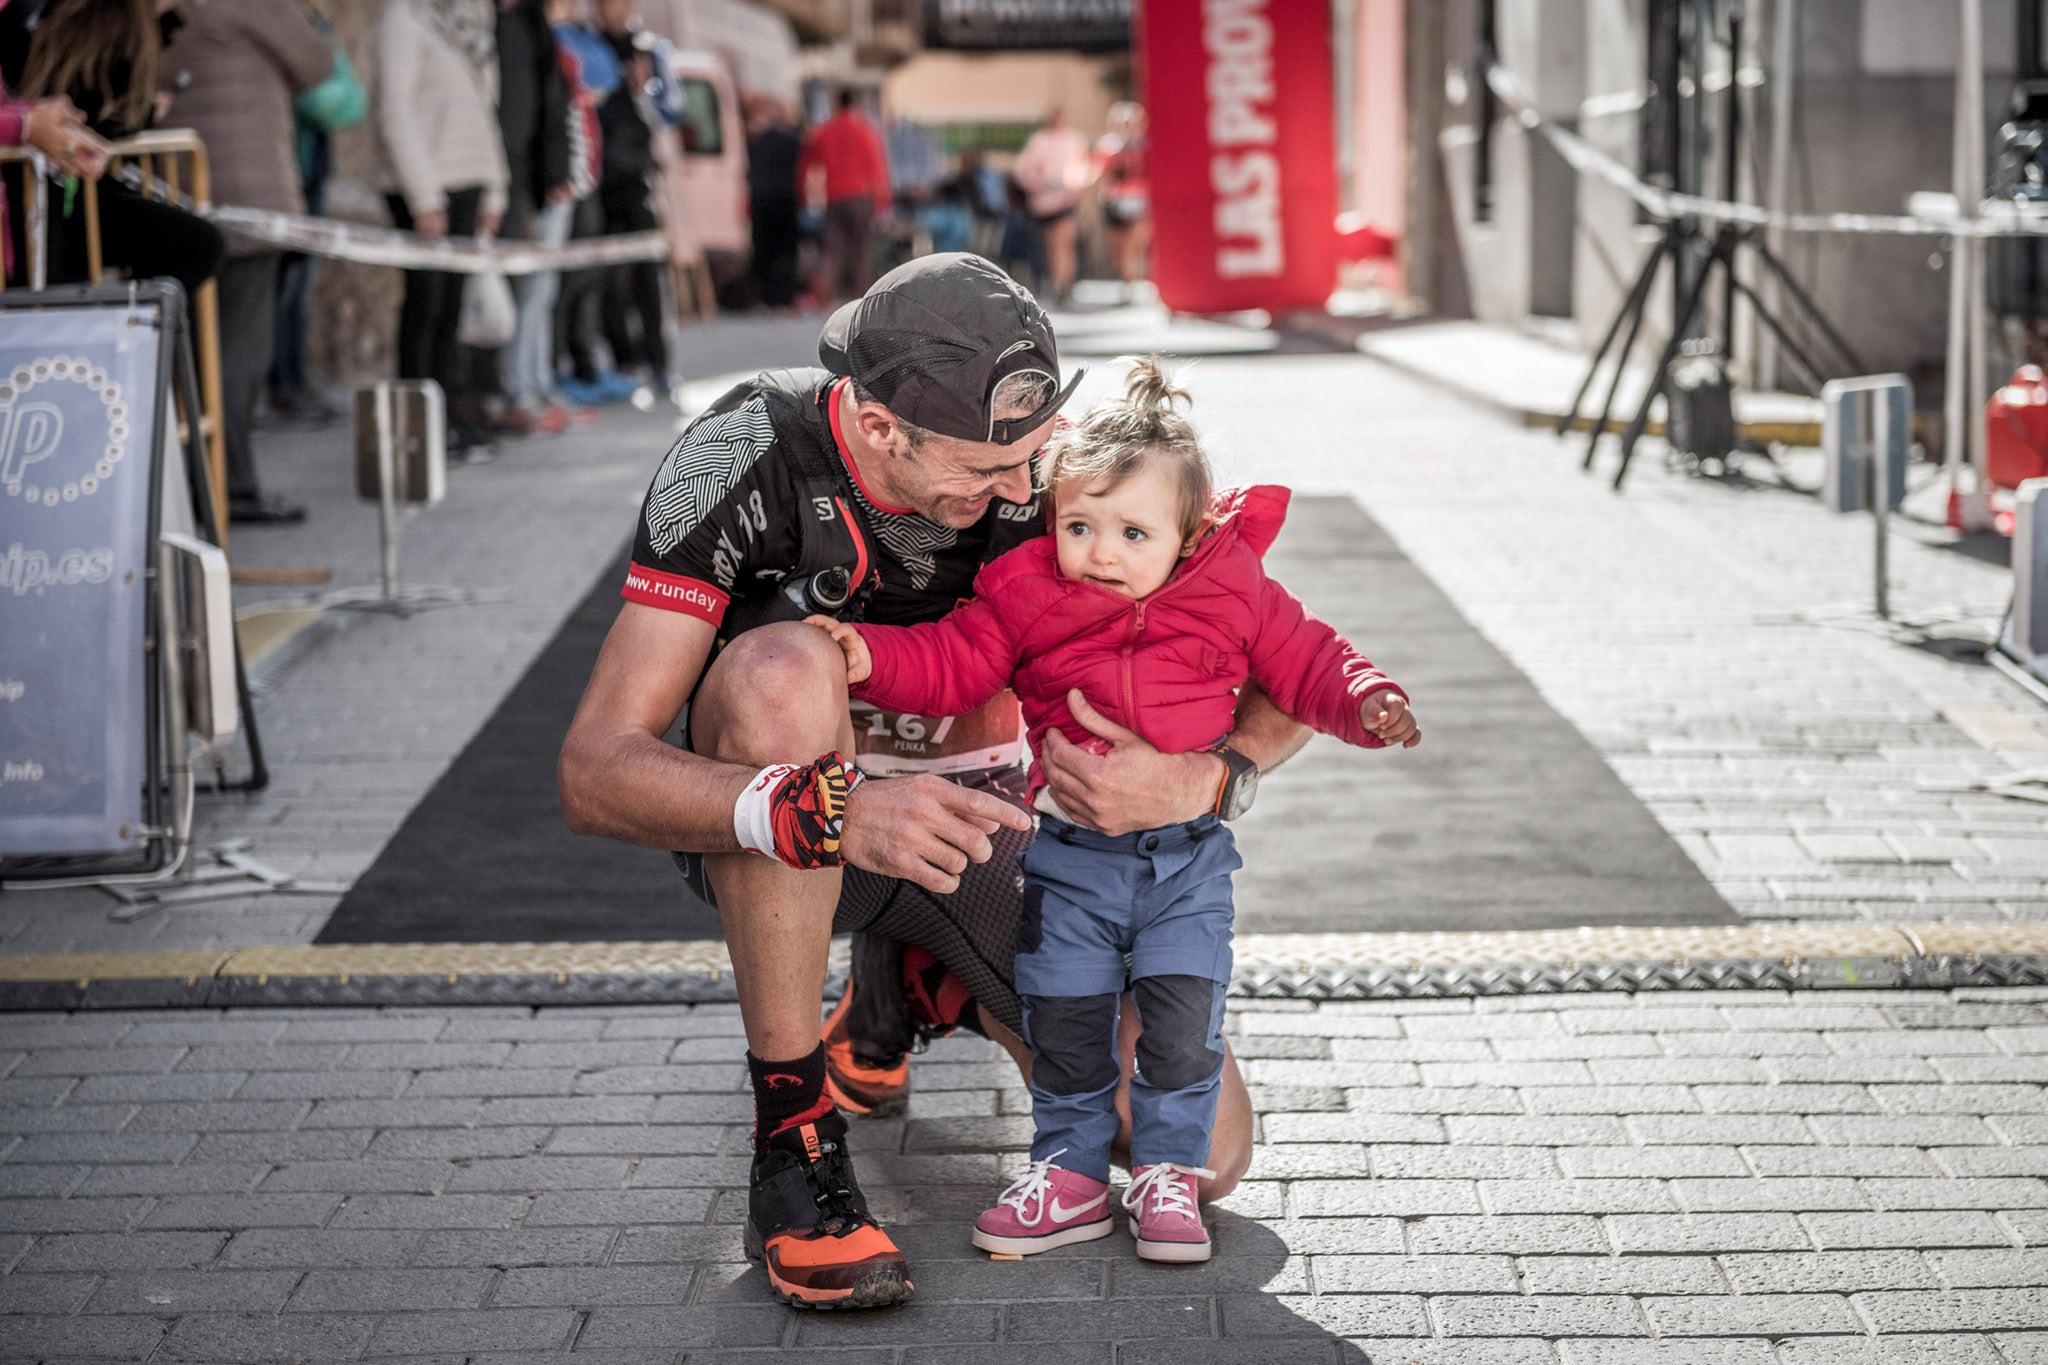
(1114, 438)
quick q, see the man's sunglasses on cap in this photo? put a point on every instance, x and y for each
(1005, 430)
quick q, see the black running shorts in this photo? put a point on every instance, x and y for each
(973, 931)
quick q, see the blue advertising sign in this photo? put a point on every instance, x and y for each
(77, 426)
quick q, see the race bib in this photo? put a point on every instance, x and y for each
(898, 744)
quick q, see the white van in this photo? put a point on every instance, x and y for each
(704, 179)
(718, 46)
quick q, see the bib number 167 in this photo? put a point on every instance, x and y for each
(901, 725)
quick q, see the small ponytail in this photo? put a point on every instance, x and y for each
(1148, 390)
(1116, 437)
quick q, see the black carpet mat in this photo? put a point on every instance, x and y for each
(485, 856)
(1504, 818)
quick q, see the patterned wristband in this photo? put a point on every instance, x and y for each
(796, 814)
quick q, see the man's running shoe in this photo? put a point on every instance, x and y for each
(905, 998)
(858, 1084)
(1050, 1207)
(939, 1001)
(808, 1223)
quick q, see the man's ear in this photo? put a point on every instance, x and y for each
(1201, 534)
(876, 424)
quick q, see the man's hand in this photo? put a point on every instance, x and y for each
(432, 223)
(1132, 786)
(487, 221)
(1386, 715)
(860, 661)
(923, 829)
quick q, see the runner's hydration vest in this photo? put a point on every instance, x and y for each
(836, 573)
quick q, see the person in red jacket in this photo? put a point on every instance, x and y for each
(1149, 600)
(849, 151)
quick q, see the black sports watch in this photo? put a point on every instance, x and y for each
(1240, 785)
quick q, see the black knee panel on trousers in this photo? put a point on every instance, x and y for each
(1175, 1017)
(1073, 1042)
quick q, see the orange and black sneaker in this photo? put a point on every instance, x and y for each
(807, 1221)
(905, 998)
(939, 1001)
(856, 1081)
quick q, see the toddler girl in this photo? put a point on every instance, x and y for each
(1149, 597)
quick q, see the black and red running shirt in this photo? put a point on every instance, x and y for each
(724, 516)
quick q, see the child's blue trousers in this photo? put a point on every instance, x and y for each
(1150, 909)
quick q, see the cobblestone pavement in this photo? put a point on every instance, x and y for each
(1687, 1179)
(1691, 1179)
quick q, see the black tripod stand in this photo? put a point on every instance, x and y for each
(1682, 238)
(1675, 142)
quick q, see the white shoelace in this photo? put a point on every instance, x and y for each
(1169, 1195)
(1035, 1183)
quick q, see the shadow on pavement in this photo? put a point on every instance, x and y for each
(1987, 547)
(1250, 1302)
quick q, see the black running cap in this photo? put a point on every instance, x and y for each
(933, 338)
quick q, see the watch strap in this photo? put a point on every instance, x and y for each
(1235, 766)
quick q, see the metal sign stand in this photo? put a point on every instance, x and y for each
(391, 596)
(232, 875)
(178, 500)
(1867, 435)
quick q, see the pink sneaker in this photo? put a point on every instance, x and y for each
(1050, 1207)
(1164, 1219)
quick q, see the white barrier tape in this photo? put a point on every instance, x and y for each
(1999, 218)
(366, 245)
(409, 251)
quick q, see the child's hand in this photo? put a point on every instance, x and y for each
(1386, 714)
(859, 663)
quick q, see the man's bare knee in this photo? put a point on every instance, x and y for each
(775, 694)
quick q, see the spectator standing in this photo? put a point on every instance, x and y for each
(103, 55)
(593, 75)
(1054, 171)
(774, 147)
(336, 103)
(633, 314)
(848, 150)
(437, 128)
(949, 218)
(1126, 192)
(1022, 250)
(239, 65)
(986, 192)
(534, 117)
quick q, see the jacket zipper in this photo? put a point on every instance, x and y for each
(1137, 628)
(1124, 666)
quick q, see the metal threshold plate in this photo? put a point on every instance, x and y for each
(1292, 966)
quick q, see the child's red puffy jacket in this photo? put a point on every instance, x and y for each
(1167, 665)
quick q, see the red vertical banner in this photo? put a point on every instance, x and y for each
(1242, 152)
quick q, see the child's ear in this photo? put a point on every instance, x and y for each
(1201, 533)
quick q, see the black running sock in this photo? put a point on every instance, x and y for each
(787, 1094)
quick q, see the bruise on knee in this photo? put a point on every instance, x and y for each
(1073, 1042)
(1178, 1019)
(774, 694)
